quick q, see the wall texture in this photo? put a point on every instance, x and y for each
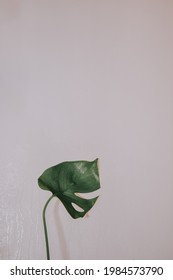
(79, 80)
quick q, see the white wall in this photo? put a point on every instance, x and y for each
(79, 80)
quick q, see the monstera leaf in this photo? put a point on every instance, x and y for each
(67, 179)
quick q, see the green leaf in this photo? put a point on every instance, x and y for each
(69, 178)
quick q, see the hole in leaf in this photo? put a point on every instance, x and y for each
(77, 208)
(87, 195)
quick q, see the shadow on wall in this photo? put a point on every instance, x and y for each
(59, 228)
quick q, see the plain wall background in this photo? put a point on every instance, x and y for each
(80, 80)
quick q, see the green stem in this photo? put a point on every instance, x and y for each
(45, 227)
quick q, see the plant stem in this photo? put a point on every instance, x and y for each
(45, 227)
